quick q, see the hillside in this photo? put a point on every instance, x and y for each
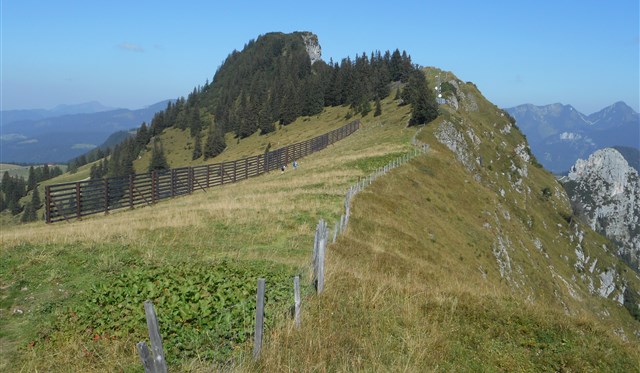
(467, 258)
(438, 268)
(460, 261)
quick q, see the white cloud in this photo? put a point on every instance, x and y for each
(83, 146)
(30, 141)
(130, 47)
(12, 137)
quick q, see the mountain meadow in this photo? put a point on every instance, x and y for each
(466, 258)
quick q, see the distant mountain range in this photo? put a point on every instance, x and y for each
(559, 134)
(57, 135)
(10, 116)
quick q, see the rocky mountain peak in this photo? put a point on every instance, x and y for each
(606, 165)
(313, 47)
(605, 191)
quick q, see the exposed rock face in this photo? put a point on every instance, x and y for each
(312, 46)
(605, 191)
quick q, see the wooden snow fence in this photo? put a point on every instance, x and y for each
(76, 200)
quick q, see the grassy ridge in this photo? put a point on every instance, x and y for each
(414, 285)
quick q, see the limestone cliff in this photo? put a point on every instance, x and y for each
(605, 191)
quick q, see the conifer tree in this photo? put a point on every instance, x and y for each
(424, 107)
(378, 111)
(195, 125)
(31, 181)
(35, 199)
(265, 119)
(158, 160)
(29, 213)
(197, 148)
(215, 142)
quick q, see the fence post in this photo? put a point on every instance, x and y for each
(131, 177)
(78, 202)
(234, 170)
(154, 185)
(173, 182)
(257, 338)
(190, 181)
(296, 301)
(208, 174)
(318, 253)
(157, 353)
(47, 202)
(145, 357)
(106, 195)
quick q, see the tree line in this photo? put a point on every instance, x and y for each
(271, 81)
(14, 188)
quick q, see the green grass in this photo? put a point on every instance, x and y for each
(413, 285)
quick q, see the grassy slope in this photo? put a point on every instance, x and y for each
(271, 218)
(413, 285)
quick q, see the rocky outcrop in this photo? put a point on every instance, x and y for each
(605, 192)
(312, 46)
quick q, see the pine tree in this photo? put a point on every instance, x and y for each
(424, 107)
(29, 213)
(378, 111)
(31, 181)
(6, 182)
(197, 148)
(158, 160)
(195, 125)
(215, 142)
(265, 118)
(45, 172)
(35, 199)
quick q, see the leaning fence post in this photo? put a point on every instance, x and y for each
(154, 361)
(296, 301)
(257, 338)
(145, 357)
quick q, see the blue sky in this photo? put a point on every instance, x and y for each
(135, 53)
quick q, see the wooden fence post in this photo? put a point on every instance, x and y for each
(154, 185)
(78, 202)
(257, 338)
(296, 301)
(208, 174)
(157, 363)
(47, 201)
(145, 357)
(319, 246)
(106, 195)
(131, 190)
(173, 182)
(234, 170)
